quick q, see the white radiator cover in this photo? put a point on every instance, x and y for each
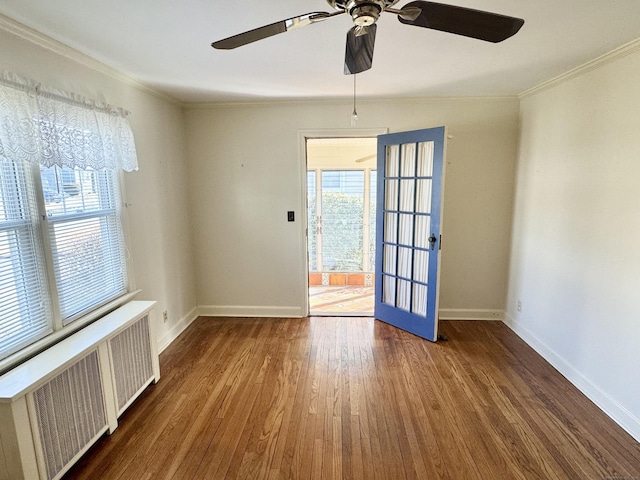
(131, 360)
(70, 413)
(57, 404)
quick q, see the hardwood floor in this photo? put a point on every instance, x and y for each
(354, 398)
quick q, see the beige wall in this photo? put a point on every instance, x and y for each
(159, 230)
(575, 263)
(246, 171)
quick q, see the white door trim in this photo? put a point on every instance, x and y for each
(303, 135)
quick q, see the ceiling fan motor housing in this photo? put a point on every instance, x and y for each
(349, 4)
(363, 12)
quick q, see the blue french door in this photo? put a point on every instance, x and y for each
(409, 197)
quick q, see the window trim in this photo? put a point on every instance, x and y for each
(303, 136)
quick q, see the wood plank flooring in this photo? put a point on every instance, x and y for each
(354, 398)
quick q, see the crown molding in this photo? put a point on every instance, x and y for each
(273, 102)
(620, 52)
(33, 36)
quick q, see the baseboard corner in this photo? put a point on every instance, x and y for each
(177, 329)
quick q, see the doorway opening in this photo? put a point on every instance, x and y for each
(341, 202)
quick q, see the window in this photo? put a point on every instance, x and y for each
(85, 235)
(24, 301)
(79, 240)
(342, 220)
(62, 250)
(341, 214)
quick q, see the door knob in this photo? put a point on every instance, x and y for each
(432, 241)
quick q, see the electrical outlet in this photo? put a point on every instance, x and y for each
(519, 306)
(165, 316)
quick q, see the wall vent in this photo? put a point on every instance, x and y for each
(71, 413)
(132, 362)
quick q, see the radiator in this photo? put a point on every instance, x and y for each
(57, 404)
(70, 413)
(132, 362)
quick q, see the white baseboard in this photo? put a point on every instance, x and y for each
(296, 312)
(469, 314)
(618, 413)
(177, 329)
(248, 311)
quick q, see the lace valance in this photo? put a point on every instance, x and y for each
(47, 127)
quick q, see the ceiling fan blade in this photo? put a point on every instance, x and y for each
(359, 51)
(368, 157)
(272, 29)
(491, 27)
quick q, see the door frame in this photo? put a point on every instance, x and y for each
(303, 135)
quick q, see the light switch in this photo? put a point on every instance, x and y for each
(291, 216)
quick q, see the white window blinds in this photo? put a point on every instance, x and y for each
(24, 302)
(85, 234)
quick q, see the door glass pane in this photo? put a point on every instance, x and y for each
(421, 266)
(389, 264)
(391, 195)
(406, 230)
(423, 225)
(425, 159)
(390, 227)
(409, 160)
(419, 305)
(423, 197)
(389, 290)
(406, 195)
(342, 220)
(392, 161)
(404, 262)
(404, 295)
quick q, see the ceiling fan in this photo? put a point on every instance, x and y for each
(487, 26)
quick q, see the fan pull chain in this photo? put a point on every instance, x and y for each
(354, 114)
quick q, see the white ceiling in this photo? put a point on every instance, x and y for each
(165, 44)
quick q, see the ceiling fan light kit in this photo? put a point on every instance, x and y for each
(478, 24)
